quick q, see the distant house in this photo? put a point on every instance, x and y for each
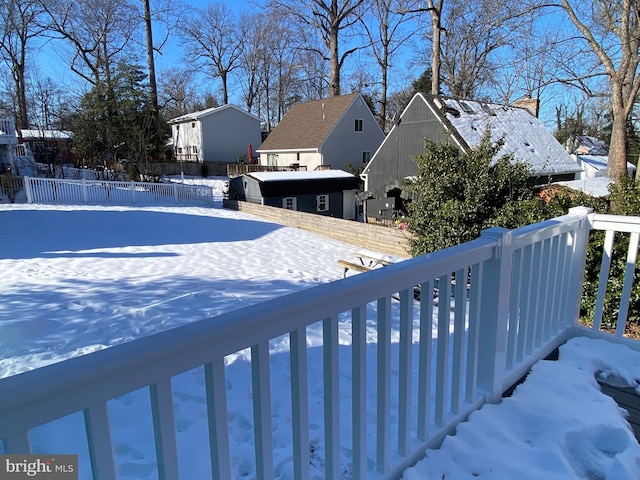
(461, 123)
(49, 146)
(325, 192)
(219, 134)
(331, 133)
(592, 155)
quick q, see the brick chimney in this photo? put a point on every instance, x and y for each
(532, 105)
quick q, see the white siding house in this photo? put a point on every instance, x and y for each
(219, 134)
(329, 133)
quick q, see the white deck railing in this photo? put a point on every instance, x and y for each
(520, 301)
(98, 192)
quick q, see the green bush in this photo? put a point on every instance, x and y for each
(626, 199)
(458, 194)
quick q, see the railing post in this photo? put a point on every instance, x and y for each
(175, 192)
(85, 197)
(133, 192)
(578, 262)
(495, 291)
(27, 189)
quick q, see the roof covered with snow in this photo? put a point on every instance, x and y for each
(209, 111)
(46, 134)
(596, 187)
(300, 175)
(600, 162)
(525, 136)
(585, 144)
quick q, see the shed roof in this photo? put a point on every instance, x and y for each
(209, 111)
(278, 184)
(300, 175)
(306, 125)
(524, 135)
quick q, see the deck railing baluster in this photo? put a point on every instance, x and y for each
(164, 429)
(405, 368)
(299, 403)
(425, 353)
(383, 383)
(96, 420)
(216, 390)
(260, 380)
(330, 374)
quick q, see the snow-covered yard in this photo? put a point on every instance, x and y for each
(75, 279)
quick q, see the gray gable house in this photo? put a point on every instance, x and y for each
(462, 123)
(324, 192)
(330, 133)
(219, 134)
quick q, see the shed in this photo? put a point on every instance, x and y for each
(324, 192)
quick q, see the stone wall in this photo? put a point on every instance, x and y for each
(386, 240)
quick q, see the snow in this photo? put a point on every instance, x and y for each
(596, 187)
(76, 279)
(525, 136)
(299, 175)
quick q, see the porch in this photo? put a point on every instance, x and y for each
(523, 302)
(8, 132)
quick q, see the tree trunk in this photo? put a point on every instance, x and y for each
(155, 110)
(435, 53)
(22, 116)
(617, 165)
(334, 68)
(225, 92)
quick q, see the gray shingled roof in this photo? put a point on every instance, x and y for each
(306, 125)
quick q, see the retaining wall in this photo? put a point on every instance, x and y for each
(363, 235)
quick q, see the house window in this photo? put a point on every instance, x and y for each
(179, 149)
(366, 156)
(358, 125)
(193, 124)
(272, 159)
(289, 203)
(322, 202)
(194, 149)
(177, 127)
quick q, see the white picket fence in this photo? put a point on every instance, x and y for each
(99, 192)
(520, 302)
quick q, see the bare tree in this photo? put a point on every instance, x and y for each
(255, 29)
(611, 31)
(98, 32)
(383, 22)
(214, 41)
(18, 27)
(176, 92)
(329, 18)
